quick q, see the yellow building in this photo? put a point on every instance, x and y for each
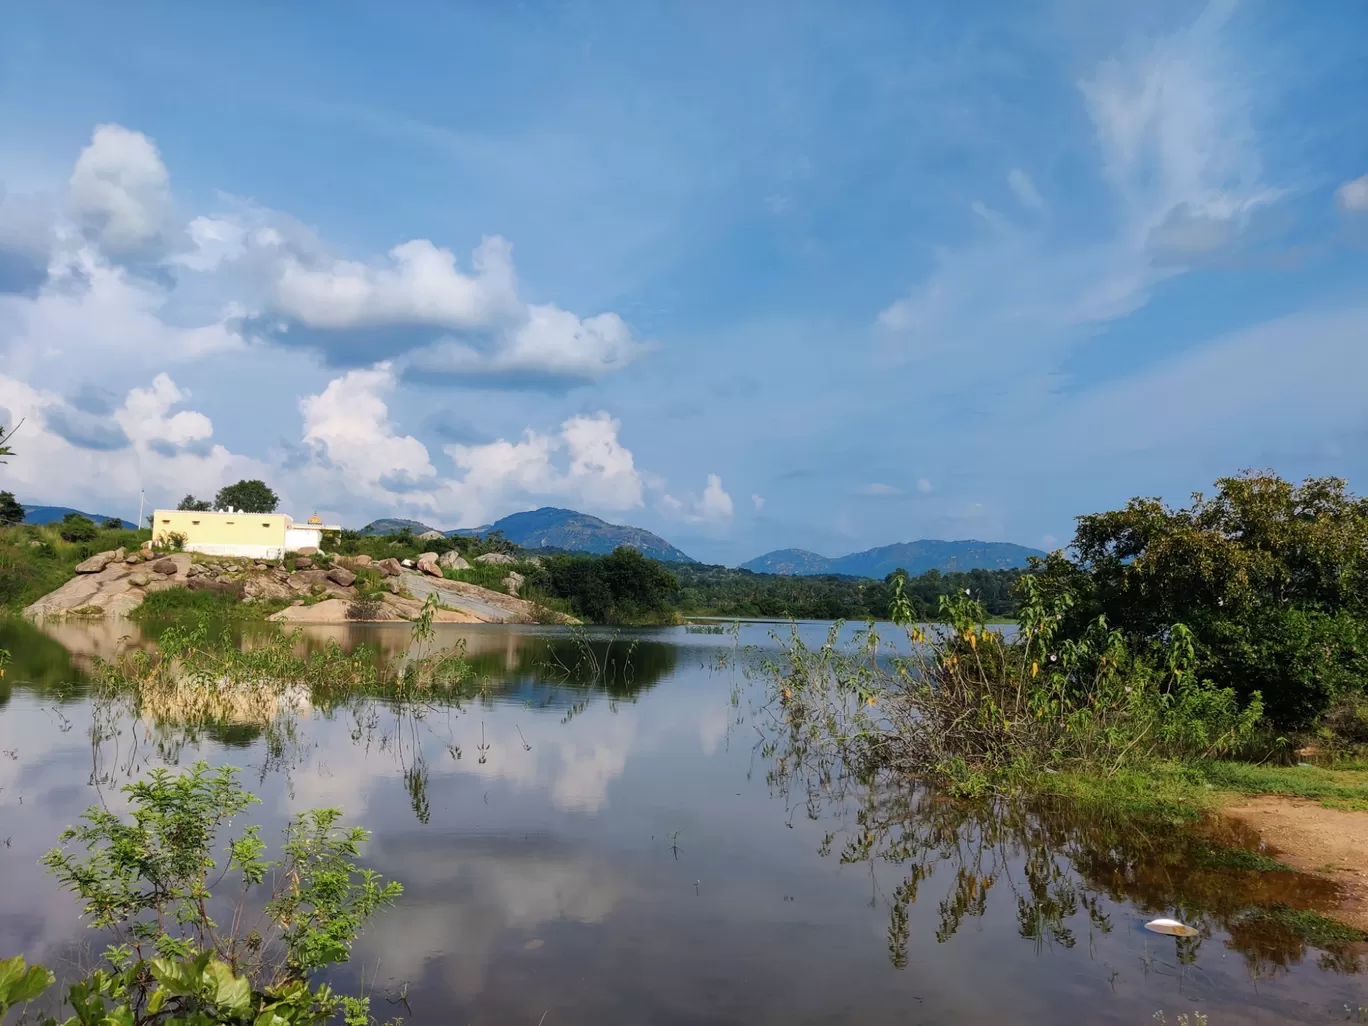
(248, 535)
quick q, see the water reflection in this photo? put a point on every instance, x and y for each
(600, 836)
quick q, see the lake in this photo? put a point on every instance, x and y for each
(620, 845)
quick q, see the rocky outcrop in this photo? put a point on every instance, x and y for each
(453, 560)
(319, 595)
(495, 557)
(99, 561)
(513, 582)
(340, 575)
(427, 563)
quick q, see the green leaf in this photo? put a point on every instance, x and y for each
(18, 985)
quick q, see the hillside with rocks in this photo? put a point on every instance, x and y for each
(322, 590)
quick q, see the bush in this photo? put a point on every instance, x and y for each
(146, 881)
(76, 528)
(1271, 578)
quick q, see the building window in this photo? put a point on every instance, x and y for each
(195, 523)
(166, 521)
(265, 523)
(229, 523)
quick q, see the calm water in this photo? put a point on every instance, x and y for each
(626, 853)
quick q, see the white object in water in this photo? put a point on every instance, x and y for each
(1171, 927)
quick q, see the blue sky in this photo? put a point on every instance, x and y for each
(749, 275)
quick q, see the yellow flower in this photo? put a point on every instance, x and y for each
(1035, 668)
(973, 641)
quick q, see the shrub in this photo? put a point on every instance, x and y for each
(76, 528)
(146, 881)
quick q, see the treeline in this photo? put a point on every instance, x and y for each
(722, 591)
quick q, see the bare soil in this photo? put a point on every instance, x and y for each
(1308, 836)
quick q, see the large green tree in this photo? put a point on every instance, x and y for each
(11, 512)
(1270, 576)
(195, 505)
(247, 496)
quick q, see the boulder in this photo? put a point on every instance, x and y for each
(389, 567)
(431, 569)
(96, 563)
(495, 557)
(426, 557)
(265, 588)
(453, 560)
(120, 554)
(164, 566)
(138, 580)
(194, 570)
(362, 560)
(513, 582)
(307, 550)
(304, 564)
(205, 584)
(260, 566)
(341, 575)
(133, 559)
(408, 563)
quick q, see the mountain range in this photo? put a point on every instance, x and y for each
(54, 514)
(551, 528)
(915, 557)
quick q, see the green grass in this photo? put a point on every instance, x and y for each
(487, 575)
(179, 603)
(1344, 787)
(1163, 790)
(1220, 856)
(28, 572)
(1319, 931)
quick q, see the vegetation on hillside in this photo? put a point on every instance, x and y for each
(35, 560)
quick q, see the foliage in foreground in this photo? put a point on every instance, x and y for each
(146, 881)
(974, 707)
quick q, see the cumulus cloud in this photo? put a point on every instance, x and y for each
(714, 506)
(347, 427)
(1353, 196)
(25, 241)
(758, 501)
(451, 322)
(420, 284)
(120, 193)
(353, 446)
(77, 455)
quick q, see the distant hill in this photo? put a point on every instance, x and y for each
(53, 514)
(394, 526)
(551, 528)
(564, 530)
(915, 557)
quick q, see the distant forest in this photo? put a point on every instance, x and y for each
(722, 591)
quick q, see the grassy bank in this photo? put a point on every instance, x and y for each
(35, 560)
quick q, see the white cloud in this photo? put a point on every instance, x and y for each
(420, 285)
(120, 193)
(1177, 151)
(1020, 183)
(879, 490)
(347, 427)
(1353, 196)
(550, 341)
(924, 485)
(167, 453)
(758, 501)
(714, 506)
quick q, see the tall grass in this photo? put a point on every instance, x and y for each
(977, 707)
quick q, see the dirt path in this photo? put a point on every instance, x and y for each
(1308, 836)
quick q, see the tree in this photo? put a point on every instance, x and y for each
(195, 505)
(11, 512)
(5, 450)
(247, 497)
(112, 524)
(76, 528)
(1270, 577)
